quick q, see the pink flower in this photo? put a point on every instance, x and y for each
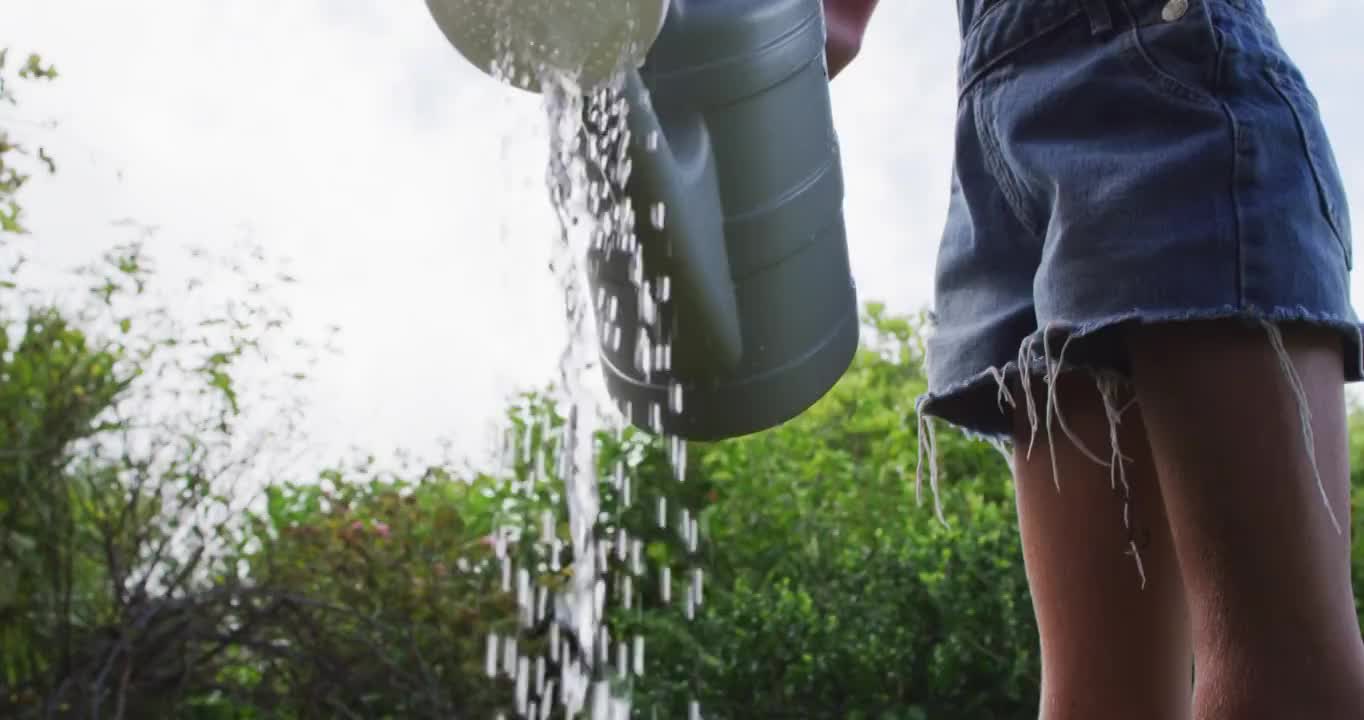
(381, 529)
(357, 526)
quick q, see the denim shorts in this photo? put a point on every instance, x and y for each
(1126, 161)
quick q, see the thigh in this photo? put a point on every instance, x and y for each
(1248, 428)
(1105, 582)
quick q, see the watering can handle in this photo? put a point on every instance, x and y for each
(675, 166)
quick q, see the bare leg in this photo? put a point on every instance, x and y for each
(1110, 649)
(1267, 572)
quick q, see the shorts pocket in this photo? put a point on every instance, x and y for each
(1176, 57)
(1320, 156)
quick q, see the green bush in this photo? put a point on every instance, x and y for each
(830, 594)
(387, 594)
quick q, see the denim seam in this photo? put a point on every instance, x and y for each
(1237, 133)
(1328, 206)
(966, 82)
(1003, 175)
(1219, 42)
(980, 19)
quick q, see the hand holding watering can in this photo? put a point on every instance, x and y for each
(734, 98)
(846, 24)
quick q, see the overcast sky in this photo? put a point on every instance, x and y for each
(407, 189)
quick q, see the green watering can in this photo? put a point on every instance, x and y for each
(731, 130)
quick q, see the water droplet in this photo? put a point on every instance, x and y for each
(675, 398)
(644, 354)
(601, 701)
(490, 663)
(522, 684)
(599, 597)
(549, 695)
(647, 310)
(637, 268)
(665, 584)
(547, 533)
(509, 656)
(651, 144)
(524, 600)
(658, 215)
(603, 651)
(678, 455)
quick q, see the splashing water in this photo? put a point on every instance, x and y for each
(589, 166)
(583, 208)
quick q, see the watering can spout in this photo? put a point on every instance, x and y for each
(680, 223)
(519, 41)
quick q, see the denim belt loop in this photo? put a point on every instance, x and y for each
(1100, 17)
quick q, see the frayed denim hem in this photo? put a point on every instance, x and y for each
(1043, 353)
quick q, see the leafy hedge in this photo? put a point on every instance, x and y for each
(836, 596)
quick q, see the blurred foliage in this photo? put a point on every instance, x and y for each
(830, 596)
(16, 160)
(393, 591)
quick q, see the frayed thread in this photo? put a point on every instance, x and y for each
(1304, 414)
(1024, 358)
(927, 436)
(1004, 395)
(1047, 418)
(1108, 387)
(1053, 366)
(1053, 408)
